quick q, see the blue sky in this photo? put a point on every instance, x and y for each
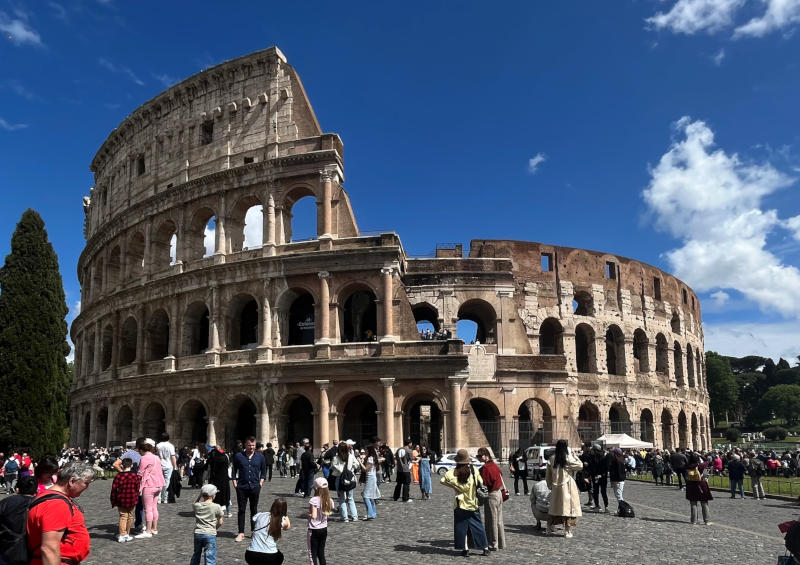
(666, 131)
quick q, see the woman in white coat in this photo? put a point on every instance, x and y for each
(565, 499)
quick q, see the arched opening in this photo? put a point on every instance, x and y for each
(615, 351)
(243, 323)
(619, 420)
(123, 425)
(535, 423)
(134, 256)
(646, 426)
(675, 323)
(303, 219)
(583, 303)
(423, 422)
(157, 335)
(699, 367)
(677, 357)
(101, 427)
(243, 420)
(551, 337)
(299, 420)
(154, 420)
(91, 366)
(201, 234)
(359, 420)
(589, 424)
(195, 329)
(666, 429)
(467, 331)
(210, 238)
(641, 351)
(87, 426)
(113, 269)
(97, 279)
(427, 319)
(163, 246)
(695, 433)
(482, 313)
(662, 354)
(360, 317)
(703, 431)
(488, 417)
(302, 325)
(690, 366)
(127, 351)
(585, 349)
(193, 423)
(683, 430)
(108, 347)
(245, 224)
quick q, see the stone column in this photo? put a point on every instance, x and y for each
(140, 339)
(280, 233)
(73, 427)
(268, 231)
(214, 321)
(111, 432)
(93, 423)
(211, 431)
(115, 344)
(180, 244)
(262, 423)
(148, 267)
(97, 362)
(388, 411)
(221, 242)
(326, 178)
(174, 337)
(455, 412)
(324, 307)
(323, 414)
(266, 324)
(387, 298)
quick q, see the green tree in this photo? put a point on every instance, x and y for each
(34, 379)
(749, 364)
(723, 391)
(784, 401)
(782, 364)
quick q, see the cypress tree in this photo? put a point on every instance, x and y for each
(34, 381)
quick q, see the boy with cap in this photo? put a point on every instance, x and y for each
(207, 520)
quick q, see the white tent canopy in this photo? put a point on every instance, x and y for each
(624, 441)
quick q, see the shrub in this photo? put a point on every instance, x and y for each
(733, 435)
(775, 432)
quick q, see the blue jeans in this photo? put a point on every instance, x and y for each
(371, 511)
(618, 487)
(167, 476)
(347, 500)
(207, 543)
(737, 485)
(464, 520)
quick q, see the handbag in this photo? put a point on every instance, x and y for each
(481, 490)
(504, 491)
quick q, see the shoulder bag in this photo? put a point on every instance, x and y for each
(481, 490)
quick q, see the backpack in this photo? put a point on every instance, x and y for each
(347, 480)
(693, 475)
(13, 544)
(12, 466)
(625, 510)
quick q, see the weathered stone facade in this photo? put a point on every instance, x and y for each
(319, 338)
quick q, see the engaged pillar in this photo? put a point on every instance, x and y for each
(326, 178)
(388, 295)
(211, 432)
(388, 411)
(455, 412)
(323, 414)
(324, 307)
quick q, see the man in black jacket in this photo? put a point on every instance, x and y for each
(678, 462)
(598, 467)
(269, 457)
(736, 471)
(616, 473)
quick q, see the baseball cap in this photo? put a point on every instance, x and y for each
(320, 482)
(616, 451)
(350, 442)
(208, 490)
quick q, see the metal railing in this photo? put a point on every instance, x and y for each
(775, 486)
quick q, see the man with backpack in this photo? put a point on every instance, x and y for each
(756, 470)
(56, 527)
(11, 472)
(403, 457)
(13, 512)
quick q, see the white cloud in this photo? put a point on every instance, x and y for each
(720, 297)
(793, 224)
(209, 238)
(736, 339)
(108, 65)
(11, 127)
(778, 15)
(711, 201)
(165, 80)
(718, 57)
(18, 30)
(253, 223)
(76, 309)
(18, 88)
(535, 161)
(693, 16)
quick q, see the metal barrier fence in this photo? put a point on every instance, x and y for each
(785, 487)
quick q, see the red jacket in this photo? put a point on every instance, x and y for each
(125, 490)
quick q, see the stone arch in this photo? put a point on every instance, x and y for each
(619, 419)
(127, 342)
(695, 432)
(134, 255)
(101, 427)
(358, 418)
(241, 419)
(243, 326)
(585, 349)
(123, 423)
(666, 428)
(87, 426)
(551, 337)
(113, 268)
(163, 246)
(583, 303)
(423, 419)
(107, 347)
(483, 315)
(195, 328)
(641, 351)
(675, 322)
(291, 226)
(683, 430)
(662, 354)
(424, 312)
(193, 422)
(298, 415)
(647, 430)
(488, 416)
(535, 423)
(359, 319)
(677, 357)
(690, 366)
(297, 317)
(245, 223)
(615, 350)
(157, 335)
(195, 235)
(154, 420)
(90, 353)
(589, 425)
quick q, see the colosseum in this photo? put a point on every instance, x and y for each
(193, 325)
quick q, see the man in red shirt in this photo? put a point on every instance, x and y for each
(57, 531)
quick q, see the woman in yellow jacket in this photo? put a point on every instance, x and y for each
(464, 480)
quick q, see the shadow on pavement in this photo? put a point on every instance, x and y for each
(440, 547)
(664, 520)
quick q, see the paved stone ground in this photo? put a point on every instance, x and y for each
(743, 531)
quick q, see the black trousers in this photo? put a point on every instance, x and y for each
(316, 545)
(269, 472)
(259, 558)
(243, 496)
(520, 475)
(683, 476)
(600, 487)
(403, 483)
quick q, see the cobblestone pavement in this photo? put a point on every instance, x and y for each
(742, 531)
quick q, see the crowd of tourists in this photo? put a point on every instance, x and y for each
(150, 473)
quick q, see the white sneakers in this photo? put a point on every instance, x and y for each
(143, 535)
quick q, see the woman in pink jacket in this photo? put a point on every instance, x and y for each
(152, 482)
